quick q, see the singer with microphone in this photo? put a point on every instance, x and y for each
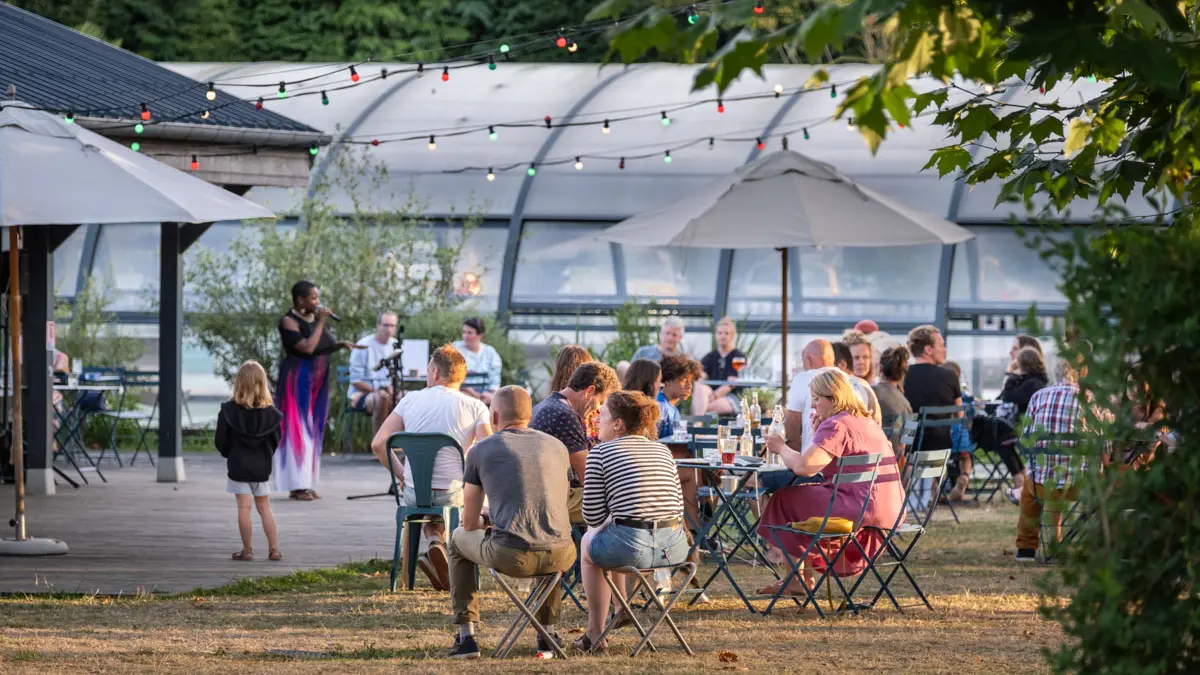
(370, 383)
(302, 390)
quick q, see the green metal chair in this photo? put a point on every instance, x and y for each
(420, 451)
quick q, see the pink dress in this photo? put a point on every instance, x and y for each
(842, 435)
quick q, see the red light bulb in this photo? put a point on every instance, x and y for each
(353, 74)
(145, 113)
(446, 74)
(760, 144)
(561, 41)
(720, 107)
(622, 164)
(758, 7)
(375, 142)
(258, 104)
(195, 163)
(548, 120)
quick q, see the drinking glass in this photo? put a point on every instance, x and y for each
(738, 363)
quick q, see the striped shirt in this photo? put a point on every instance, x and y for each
(631, 477)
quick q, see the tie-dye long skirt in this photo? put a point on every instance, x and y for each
(302, 395)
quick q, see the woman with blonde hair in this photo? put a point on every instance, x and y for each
(843, 428)
(248, 431)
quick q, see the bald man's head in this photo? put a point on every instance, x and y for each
(817, 354)
(511, 407)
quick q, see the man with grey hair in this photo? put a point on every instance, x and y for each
(670, 342)
(370, 389)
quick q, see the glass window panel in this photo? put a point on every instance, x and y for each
(998, 266)
(984, 360)
(66, 263)
(562, 263)
(130, 254)
(477, 275)
(754, 285)
(670, 274)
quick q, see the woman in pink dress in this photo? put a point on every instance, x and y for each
(843, 428)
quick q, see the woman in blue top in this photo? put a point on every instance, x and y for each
(483, 361)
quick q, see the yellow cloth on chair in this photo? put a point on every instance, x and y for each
(834, 526)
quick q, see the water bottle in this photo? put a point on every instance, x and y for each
(746, 444)
(776, 429)
(755, 413)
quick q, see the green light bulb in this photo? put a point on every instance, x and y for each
(135, 146)
(667, 158)
(138, 128)
(493, 136)
(503, 49)
(313, 151)
(531, 171)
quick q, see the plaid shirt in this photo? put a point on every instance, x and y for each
(1054, 410)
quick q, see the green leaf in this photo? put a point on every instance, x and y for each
(949, 159)
(1045, 128)
(923, 101)
(1139, 11)
(1077, 135)
(895, 100)
(978, 121)
(959, 27)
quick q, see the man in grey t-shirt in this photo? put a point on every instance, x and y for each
(523, 474)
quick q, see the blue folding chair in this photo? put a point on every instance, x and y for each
(851, 470)
(420, 452)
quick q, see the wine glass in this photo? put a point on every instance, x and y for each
(738, 363)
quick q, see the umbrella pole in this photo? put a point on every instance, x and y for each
(22, 545)
(15, 394)
(783, 329)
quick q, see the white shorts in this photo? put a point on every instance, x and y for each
(262, 489)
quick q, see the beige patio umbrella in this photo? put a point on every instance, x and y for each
(779, 201)
(56, 173)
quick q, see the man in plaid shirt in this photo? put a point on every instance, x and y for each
(1054, 410)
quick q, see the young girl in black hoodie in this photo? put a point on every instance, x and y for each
(247, 433)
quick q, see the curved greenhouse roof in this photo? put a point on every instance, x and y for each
(407, 105)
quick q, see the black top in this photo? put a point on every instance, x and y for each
(929, 385)
(720, 367)
(555, 416)
(1018, 389)
(326, 345)
(247, 438)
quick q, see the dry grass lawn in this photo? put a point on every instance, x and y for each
(985, 621)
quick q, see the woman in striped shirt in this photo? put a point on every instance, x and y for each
(631, 503)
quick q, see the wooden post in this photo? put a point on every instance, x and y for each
(783, 328)
(15, 394)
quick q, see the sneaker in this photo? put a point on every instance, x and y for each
(544, 649)
(464, 648)
(1013, 494)
(1026, 555)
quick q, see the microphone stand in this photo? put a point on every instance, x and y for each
(395, 368)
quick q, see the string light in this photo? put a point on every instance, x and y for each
(622, 164)
(758, 142)
(195, 163)
(432, 143)
(375, 142)
(778, 90)
(833, 91)
(491, 62)
(560, 41)
(324, 98)
(806, 136)
(313, 149)
(491, 176)
(258, 105)
(531, 171)
(504, 49)
(720, 106)
(211, 94)
(850, 124)
(383, 73)
(1091, 78)
(573, 47)
(988, 88)
(758, 7)
(353, 74)
(712, 143)
(548, 120)
(135, 146)
(420, 69)
(785, 143)
(204, 115)
(667, 157)
(282, 90)
(138, 128)
(578, 164)
(70, 118)
(693, 17)
(492, 135)
(605, 129)
(145, 113)
(666, 121)
(446, 74)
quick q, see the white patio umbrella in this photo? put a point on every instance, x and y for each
(782, 200)
(55, 173)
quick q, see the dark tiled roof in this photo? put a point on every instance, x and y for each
(57, 68)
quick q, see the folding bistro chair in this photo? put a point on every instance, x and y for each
(911, 523)
(348, 411)
(941, 417)
(125, 379)
(1067, 506)
(420, 451)
(573, 577)
(528, 608)
(664, 609)
(140, 379)
(838, 531)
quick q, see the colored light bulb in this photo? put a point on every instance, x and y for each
(504, 49)
(446, 74)
(195, 163)
(531, 171)
(145, 113)
(666, 121)
(667, 157)
(353, 74)
(135, 146)
(70, 118)
(324, 98)
(138, 128)
(492, 135)
(758, 7)
(561, 41)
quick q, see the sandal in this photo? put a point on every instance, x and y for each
(244, 556)
(275, 555)
(304, 495)
(791, 591)
(584, 644)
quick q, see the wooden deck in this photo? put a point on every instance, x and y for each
(134, 534)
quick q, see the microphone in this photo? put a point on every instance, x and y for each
(333, 316)
(390, 357)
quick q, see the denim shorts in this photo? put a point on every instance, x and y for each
(234, 487)
(620, 546)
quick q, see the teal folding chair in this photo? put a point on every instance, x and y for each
(420, 452)
(942, 417)
(349, 411)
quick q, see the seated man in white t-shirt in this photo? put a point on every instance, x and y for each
(798, 423)
(439, 408)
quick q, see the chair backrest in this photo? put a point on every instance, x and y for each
(853, 469)
(343, 376)
(922, 466)
(420, 452)
(102, 375)
(141, 379)
(476, 380)
(939, 417)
